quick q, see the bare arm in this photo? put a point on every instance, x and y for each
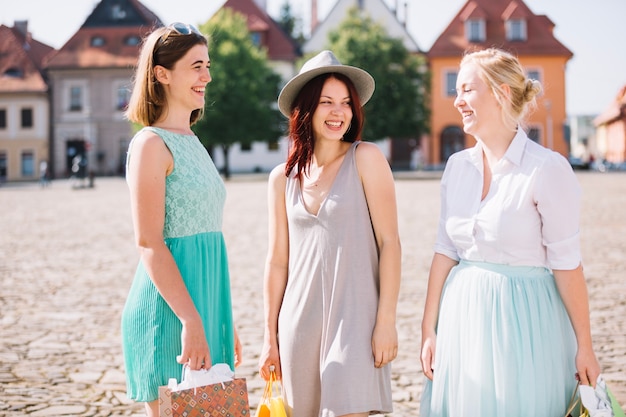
(573, 291)
(150, 162)
(276, 269)
(380, 192)
(439, 269)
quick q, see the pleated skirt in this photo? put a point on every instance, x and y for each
(505, 345)
(151, 331)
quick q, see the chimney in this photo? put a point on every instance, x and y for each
(406, 13)
(314, 21)
(21, 26)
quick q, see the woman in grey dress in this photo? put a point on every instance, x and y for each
(332, 274)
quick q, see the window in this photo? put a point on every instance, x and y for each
(28, 164)
(76, 98)
(273, 146)
(132, 40)
(97, 41)
(475, 30)
(14, 72)
(256, 38)
(534, 134)
(245, 147)
(3, 119)
(3, 166)
(27, 118)
(450, 86)
(534, 75)
(123, 96)
(516, 30)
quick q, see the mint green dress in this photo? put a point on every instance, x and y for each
(194, 202)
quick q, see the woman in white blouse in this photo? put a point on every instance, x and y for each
(506, 326)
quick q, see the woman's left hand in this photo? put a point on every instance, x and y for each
(238, 349)
(384, 344)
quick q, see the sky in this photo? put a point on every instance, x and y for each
(592, 30)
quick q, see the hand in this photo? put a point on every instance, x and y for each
(384, 344)
(195, 350)
(238, 349)
(427, 355)
(269, 357)
(587, 366)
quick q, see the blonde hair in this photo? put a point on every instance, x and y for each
(164, 47)
(498, 67)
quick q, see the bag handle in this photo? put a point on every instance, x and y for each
(269, 386)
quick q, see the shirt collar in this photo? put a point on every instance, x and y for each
(513, 154)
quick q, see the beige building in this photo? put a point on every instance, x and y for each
(24, 108)
(90, 78)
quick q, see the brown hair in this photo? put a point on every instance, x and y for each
(164, 47)
(301, 121)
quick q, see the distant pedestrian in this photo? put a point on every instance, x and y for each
(178, 311)
(506, 322)
(44, 175)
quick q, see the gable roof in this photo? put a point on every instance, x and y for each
(615, 111)
(109, 38)
(279, 45)
(378, 10)
(21, 60)
(539, 28)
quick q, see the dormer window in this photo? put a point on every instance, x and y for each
(256, 38)
(117, 13)
(516, 30)
(475, 30)
(14, 72)
(132, 40)
(97, 41)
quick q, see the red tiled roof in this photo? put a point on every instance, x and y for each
(615, 111)
(21, 59)
(132, 20)
(279, 45)
(540, 37)
(79, 52)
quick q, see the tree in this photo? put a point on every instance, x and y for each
(291, 24)
(240, 105)
(399, 107)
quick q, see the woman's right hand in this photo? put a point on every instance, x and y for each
(427, 356)
(269, 357)
(195, 349)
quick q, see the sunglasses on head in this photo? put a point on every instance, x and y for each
(184, 28)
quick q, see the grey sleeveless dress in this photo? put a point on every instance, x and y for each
(329, 308)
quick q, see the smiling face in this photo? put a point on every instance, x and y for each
(188, 78)
(475, 101)
(333, 113)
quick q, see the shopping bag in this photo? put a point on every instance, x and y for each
(212, 393)
(595, 402)
(272, 403)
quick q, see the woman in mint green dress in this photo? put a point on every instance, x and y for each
(178, 310)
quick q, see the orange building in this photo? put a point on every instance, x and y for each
(512, 26)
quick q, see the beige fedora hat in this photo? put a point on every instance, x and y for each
(323, 63)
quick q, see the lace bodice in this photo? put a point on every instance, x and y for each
(195, 193)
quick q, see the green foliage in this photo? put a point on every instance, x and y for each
(291, 24)
(399, 107)
(240, 104)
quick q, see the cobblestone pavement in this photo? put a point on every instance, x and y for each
(67, 259)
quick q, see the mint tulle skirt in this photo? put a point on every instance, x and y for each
(150, 329)
(505, 345)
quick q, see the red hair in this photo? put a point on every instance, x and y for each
(301, 121)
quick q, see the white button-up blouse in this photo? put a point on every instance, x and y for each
(530, 216)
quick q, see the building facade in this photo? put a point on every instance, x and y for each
(90, 78)
(512, 26)
(24, 105)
